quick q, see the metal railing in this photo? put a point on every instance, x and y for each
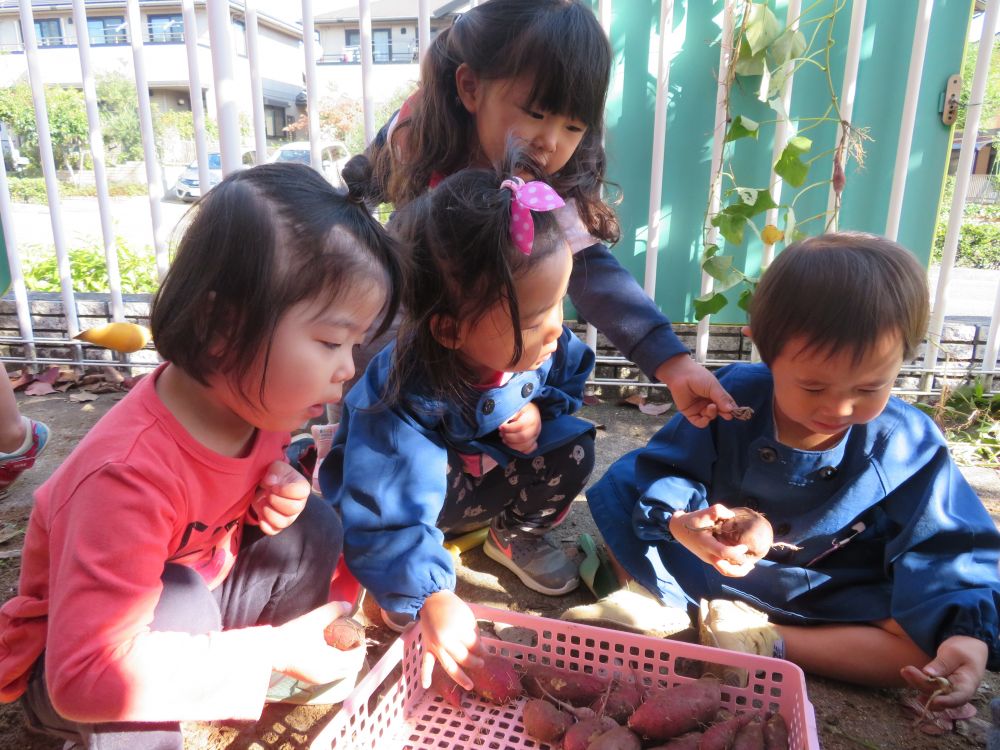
(229, 95)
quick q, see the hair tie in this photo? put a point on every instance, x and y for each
(528, 197)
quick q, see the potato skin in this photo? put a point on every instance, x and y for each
(496, 680)
(618, 738)
(344, 634)
(576, 688)
(545, 722)
(676, 710)
(747, 527)
(775, 732)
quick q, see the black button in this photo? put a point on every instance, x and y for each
(527, 389)
(768, 455)
(782, 529)
(488, 406)
(827, 472)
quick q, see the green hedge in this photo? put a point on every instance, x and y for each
(90, 273)
(978, 245)
(32, 190)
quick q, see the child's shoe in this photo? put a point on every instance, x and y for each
(12, 465)
(532, 556)
(736, 626)
(634, 609)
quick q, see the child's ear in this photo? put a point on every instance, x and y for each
(447, 331)
(468, 86)
(745, 330)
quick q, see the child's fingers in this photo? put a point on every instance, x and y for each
(451, 667)
(283, 505)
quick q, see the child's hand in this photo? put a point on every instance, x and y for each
(520, 432)
(696, 392)
(279, 499)
(301, 649)
(451, 636)
(962, 661)
(692, 530)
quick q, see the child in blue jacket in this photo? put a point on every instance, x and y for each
(465, 420)
(885, 567)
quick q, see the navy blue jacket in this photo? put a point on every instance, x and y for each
(387, 470)
(917, 544)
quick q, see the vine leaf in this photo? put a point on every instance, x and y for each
(762, 29)
(709, 251)
(744, 301)
(790, 166)
(709, 304)
(720, 268)
(730, 226)
(732, 220)
(742, 127)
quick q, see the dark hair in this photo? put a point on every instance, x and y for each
(261, 241)
(840, 291)
(557, 42)
(462, 262)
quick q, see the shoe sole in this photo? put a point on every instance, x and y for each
(497, 556)
(686, 634)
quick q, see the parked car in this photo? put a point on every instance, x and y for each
(187, 187)
(333, 157)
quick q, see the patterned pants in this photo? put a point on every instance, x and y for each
(529, 492)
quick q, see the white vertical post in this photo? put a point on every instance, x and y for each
(908, 118)
(312, 86)
(194, 91)
(992, 341)
(849, 88)
(719, 136)
(604, 15)
(226, 107)
(965, 158)
(14, 261)
(659, 135)
(49, 168)
(97, 154)
(256, 88)
(781, 135)
(365, 17)
(154, 182)
(424, 26)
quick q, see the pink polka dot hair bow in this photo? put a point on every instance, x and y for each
(528, 197)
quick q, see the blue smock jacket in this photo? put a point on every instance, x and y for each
(886, 524)
(387, 470)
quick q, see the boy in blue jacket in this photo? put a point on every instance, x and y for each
(885, 568)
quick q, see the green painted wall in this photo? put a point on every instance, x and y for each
(885, 54)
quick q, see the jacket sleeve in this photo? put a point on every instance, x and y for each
(672, 473)
(562, 391)
(387, 476)
(609, 297)
(945, 558)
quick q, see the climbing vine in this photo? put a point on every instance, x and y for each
(766, 49)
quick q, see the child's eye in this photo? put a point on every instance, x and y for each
(576, 128)
(813, 390)
(532, 113)
(330, 345)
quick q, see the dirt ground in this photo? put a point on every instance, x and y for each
(847, 717)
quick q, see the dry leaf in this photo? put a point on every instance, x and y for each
(49, 376)
(112, 375)
(130, 383)
(10, 553)
(635, 399)
(63, 387)
(81, 396)
(23, 379)
(655, 409)
(39, 388)
(590, 399)
(67, 375)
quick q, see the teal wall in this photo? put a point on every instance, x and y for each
(885, 54)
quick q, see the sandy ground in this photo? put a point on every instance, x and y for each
(847, 717)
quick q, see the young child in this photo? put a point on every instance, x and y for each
(539, 70)
(174, 559)
(887, 562)
(465, 420)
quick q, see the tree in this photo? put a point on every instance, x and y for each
(119, 111)
(67, 121)
(990, 116)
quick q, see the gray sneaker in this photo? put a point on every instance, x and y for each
(534, 557)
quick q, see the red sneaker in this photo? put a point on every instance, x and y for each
(12, 465)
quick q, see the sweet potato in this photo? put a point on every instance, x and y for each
(543, 721)
(580, 735)
(621, 702)
(722, 735)
(576, 688)
(689, 741)
(676, 710)
(747, 527)
(775, 732)
(618, 738)
(344, 634)
(447, 688)
(751, 736)
(496, 680)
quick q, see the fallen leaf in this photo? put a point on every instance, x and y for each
(112, 375)
(130, 383)
(10, 553)
(39, 388)
(87, 407)
(655, 409)
(590, 399)
(81, 396)
(67, 375)
(635, 399)
(50, 375)
(23, 379)
(63, 387)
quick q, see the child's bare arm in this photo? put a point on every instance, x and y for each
(961, 662)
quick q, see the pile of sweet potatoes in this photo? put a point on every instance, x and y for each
(576, 711)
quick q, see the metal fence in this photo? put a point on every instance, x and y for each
(228, 98)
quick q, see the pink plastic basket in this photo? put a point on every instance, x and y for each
(390, 711)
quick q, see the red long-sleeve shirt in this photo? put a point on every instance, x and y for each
(137, 492)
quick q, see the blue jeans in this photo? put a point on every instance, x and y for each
(275, 579)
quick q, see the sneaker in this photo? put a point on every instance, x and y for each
(12, 465)
(534, 557)
(397, 622)
(735, 626)
(634, 609)
(301, 454)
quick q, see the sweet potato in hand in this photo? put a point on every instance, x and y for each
(344, 634)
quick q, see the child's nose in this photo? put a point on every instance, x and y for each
(547, 137)
(344, 370)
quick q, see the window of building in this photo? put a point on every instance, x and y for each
(48, 32)
(107, 30)
(381, 45)
(240, 37)
(274, 121)
(165, 29)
